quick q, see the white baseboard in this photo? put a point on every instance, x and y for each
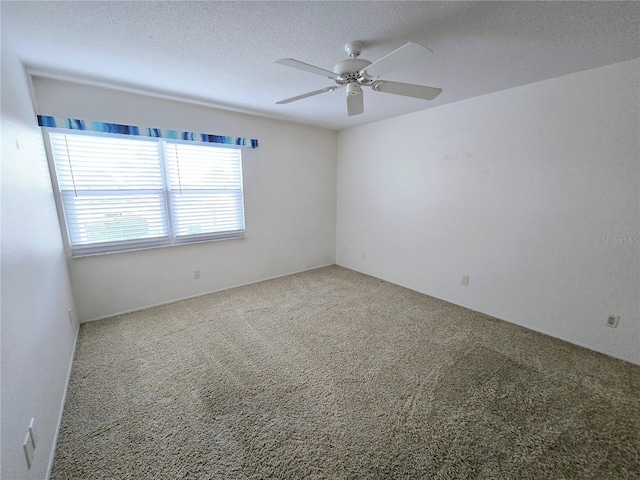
(203, 294)
(64, 399)
(489, 314)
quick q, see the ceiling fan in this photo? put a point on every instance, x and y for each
(355, 73)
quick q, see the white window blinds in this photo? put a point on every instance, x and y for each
(120, 193)
(206, 189)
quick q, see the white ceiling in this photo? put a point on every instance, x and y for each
(223, 53)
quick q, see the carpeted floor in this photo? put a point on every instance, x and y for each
(337, 375)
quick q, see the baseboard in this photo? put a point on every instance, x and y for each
(558, 337)
(64, 399)
(203, 294)
(489, 314)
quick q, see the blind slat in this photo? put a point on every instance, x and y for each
(114, 191)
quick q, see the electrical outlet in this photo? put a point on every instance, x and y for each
(196, 274)
(465, 280)
(612, 321)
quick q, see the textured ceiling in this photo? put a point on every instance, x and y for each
(223, 53)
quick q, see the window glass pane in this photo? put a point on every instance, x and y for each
(111, 218)
(206, 189)
(203, 167)
(121, 193)
(93, 163)
(111, 188)
(199, 213)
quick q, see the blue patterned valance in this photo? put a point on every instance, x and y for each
(75, 124)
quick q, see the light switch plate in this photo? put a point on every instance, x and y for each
(32, 433)
(28, 449)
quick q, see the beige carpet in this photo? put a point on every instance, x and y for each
(337, 375)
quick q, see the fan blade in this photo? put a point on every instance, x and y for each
(355, 105)
(290, 62)
(405, 54)
(406, 89)
(305, 95)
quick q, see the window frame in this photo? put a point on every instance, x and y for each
(171, 239)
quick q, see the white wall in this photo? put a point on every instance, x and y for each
(37, 337)
(529, 191)
(290, 201)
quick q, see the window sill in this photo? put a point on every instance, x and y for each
(134, 248)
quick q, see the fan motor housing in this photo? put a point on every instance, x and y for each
(350, 66)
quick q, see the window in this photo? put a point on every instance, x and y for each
(122, 193)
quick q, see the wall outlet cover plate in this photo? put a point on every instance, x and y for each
(612, 321)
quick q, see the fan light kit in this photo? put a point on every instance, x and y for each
(355, 73)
